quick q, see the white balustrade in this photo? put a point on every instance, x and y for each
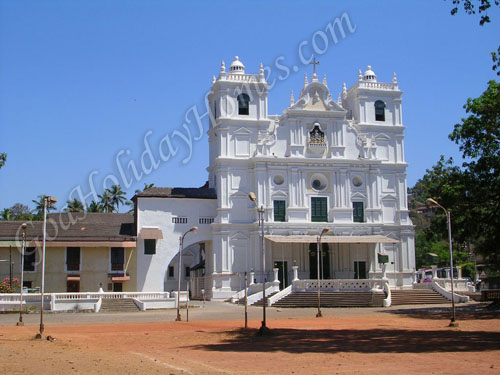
(339, 284)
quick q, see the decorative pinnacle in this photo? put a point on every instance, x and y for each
(213, 79)
(324, 80)
(344, 91)
(261, 69)
(339, 100)
(360, 75)
(306, 81)
(292, 99)
(223, 67)
(394, 78)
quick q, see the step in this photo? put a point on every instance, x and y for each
(416, 297)
(331, 299)
(122, 304)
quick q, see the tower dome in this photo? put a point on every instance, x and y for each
(237, 66)
(370, 75)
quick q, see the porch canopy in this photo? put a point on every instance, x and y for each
(330, 239)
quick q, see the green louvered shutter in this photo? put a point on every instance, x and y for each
(319, 209)
(279, 211)
(358, 212)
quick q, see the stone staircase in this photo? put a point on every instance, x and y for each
(241, 301)
(260, 301)
(118, 305)
(416, 297)
(332, 299)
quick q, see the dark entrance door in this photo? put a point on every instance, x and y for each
(73, 286)
(282, 273)
(324, 265)
(360, 270)
(117, 287)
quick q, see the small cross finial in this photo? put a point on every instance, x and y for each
(314, 63)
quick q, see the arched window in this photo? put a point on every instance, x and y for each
(243, 104)
(379, 110)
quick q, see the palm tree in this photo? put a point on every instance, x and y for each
(146, 187)
(39, 204)
(6, 214)
(74, 205)
(117, 196)
(107, 201)
(95, 207)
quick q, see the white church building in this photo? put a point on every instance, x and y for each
(321, 164)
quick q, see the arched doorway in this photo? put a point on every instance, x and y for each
(324, 264)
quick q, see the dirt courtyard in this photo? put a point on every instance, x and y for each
(344, 341)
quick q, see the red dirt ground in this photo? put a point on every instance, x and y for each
(349, 344)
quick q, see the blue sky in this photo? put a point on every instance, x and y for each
(81, 81)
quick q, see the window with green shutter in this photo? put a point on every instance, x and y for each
(279, 210)
(319, 209)
(358, 212)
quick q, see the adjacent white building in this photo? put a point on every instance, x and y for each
(321, 164)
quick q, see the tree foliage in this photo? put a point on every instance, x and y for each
(480, 7)
(470, 191)
(74, 205)
(95, 207)
(39, 205)
(472, 7)
(3, 159)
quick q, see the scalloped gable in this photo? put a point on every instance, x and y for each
(316, 97)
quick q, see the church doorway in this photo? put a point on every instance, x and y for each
(360, 270)
(282, 273)
(324, 265)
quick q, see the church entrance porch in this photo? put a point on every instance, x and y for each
(342, 257)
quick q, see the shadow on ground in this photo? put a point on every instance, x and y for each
(469, 312)
(359, 341)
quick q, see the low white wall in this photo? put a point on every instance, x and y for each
(163, 304)
(74, 305)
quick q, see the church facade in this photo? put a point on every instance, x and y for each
(324, 164)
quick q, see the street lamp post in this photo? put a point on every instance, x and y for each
(46, 201)
(318, 256)
(181, 245)
(433, 202)
(23, 250)
(263, 329)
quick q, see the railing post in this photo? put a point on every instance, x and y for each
(434, 272)
(295, 273)
(252, 278)
(276, 279)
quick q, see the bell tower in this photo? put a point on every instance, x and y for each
(238, 105)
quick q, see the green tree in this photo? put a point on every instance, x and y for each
(21, 212)
(3, 159)
(107, 201)
(6, 214)
(95, 207)
(481, 7)
(39, 205)
(478, 137)
(74, 205)
(117, 196)
(472, 191)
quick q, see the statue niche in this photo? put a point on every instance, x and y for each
(317, 141)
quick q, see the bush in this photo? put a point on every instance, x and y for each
(6, 287)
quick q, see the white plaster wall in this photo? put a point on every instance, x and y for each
(158, 212)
